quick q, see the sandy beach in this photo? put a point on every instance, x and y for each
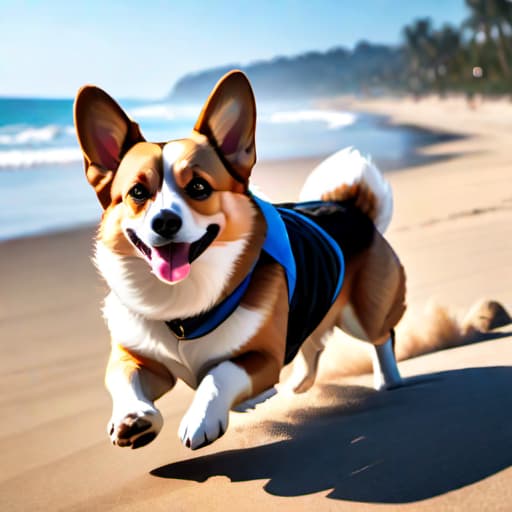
(442, 442)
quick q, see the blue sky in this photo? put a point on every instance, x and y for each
(140, 48)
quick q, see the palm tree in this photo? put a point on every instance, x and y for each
(419, 49)
(489, 17)
(447, 44)
(432, 55)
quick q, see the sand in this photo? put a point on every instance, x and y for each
(443, 442)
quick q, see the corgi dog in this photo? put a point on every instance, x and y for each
(217, 287)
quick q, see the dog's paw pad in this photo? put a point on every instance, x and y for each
(132, 425)
(143, 440)
(135, 429)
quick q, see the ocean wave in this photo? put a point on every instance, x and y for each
(19, 135)
(15, 158)
(333, 118)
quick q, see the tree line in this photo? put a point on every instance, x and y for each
(475, 57)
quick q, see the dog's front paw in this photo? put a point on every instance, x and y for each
(207, 418)
(135, 429)
(203, 424)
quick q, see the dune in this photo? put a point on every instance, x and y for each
(441, 442)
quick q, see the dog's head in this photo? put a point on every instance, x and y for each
(168, 203)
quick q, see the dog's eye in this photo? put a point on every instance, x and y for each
(199, 189)
(139, 193)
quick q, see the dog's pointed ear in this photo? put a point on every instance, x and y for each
(105, 133)
(228, 120)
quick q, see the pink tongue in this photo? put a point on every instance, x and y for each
(170, 262)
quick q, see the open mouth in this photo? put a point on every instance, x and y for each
(171, 262)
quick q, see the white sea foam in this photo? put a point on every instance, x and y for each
(15, 158)
(161, 111)
(333, 118)
(18, 135)
(164, 111)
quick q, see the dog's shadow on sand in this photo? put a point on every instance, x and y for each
(445, 431)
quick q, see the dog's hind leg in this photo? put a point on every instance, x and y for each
(305, 364)
(385, 370)
(375, 302)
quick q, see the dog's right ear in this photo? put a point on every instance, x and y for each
(105, 133)
(228, 120)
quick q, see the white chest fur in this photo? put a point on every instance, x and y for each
(185, 359)
(142, 292)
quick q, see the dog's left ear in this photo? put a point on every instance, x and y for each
(105, 133)
(228, 120)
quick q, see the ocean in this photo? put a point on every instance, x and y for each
(41, 172)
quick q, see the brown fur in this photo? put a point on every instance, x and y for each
(262, 356)
(364, 198)
(257, 232)
(155, 378)
(374, 290)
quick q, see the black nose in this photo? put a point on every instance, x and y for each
(166, 223)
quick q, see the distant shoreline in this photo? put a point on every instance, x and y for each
(408, 147)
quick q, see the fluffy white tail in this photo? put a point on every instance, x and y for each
(348, 175)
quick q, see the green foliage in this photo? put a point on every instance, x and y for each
(475, 58)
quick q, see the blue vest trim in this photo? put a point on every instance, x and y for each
(277, 242)
(201, 325)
